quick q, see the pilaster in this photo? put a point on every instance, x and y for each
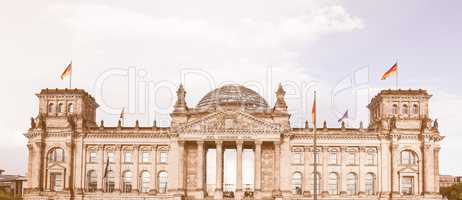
(277, 169)
(306, 171)
(117, 171)
(101, 168)
(153, 172)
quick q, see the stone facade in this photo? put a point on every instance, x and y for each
(73, 157)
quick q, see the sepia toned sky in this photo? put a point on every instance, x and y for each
(134, 54)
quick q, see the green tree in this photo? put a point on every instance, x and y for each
(453, 193)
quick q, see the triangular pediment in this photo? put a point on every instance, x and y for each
(229, 122)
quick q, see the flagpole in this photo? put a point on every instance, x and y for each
(397, 71)
(315, 175)
(70, 77)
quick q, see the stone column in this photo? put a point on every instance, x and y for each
(153, 170)
(394, 168)
(200, 169)
(117, 171)
(38, 172)
(30, 162)
(436, 161)
(239, 149)
(277, 170)
(307, 155)
(257, 182)
(219, 172)
(181, 159)
(428, 169)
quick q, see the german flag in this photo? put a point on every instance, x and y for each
(391, 72)
(67, 71)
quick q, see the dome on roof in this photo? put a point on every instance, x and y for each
(236, 95)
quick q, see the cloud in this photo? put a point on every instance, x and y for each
(217, 40)
(100, 20)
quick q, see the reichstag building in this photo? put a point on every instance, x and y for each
(74, 157)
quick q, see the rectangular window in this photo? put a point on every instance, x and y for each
(407, 185)
(351, 158)
(332, 158)
(111, 156)
(371, 159)
(163, 158)
(92, 156)
(56, 182)
(145, 157)
(128, 157)
(298, 158)
(316, 155)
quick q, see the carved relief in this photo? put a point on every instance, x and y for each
(267, 163)
(191, 167)
(226, 121)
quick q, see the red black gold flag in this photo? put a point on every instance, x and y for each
(67, 71)
(391, 72)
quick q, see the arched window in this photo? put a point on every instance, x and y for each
(371, 158)
(127, 181)
(318, 183)
(60, 108)
(297, 180)
(92, 181)
(145, 180)
(352, 184)
(56, 155)
(110, 183)
(395, 109)
(415, 109)
(369, 181)
(332, 184)
(408, 157)
(405, 109)
(163, 181)
(51, 108)
(70, 108)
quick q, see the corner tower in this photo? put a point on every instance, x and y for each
(399, 108)
(57, 105)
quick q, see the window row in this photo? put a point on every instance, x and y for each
(333, 186)
(408, 157)
(57, 155)
(52, 108)
(126, 186)
(333, 158)
(405, 110)
(144, 157)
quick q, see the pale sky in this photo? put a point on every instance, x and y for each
(134, 54)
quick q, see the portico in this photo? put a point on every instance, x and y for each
(238, 189)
